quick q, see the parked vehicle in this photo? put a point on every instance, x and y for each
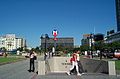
(117, 55)
(1, 53)
(26, 55)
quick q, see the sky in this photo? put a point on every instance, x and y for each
(30, 19)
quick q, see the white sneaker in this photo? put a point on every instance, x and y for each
(79, 74)
(68, 73)
(83, 73)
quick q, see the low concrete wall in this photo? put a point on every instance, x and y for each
(98, 66)
(112, 70)
(94, 66)
(62, 64)
(59, 64)
(41, 68)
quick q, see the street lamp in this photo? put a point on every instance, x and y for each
(99, 37)
(91, 44)
(45, 36)
(54, 33)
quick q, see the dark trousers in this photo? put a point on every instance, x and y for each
(32, 66)
(81, 70)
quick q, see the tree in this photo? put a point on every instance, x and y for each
(99, 45)
(20, 49)
(3, 49)
(60, 48)
(37, 50)
(84, 47)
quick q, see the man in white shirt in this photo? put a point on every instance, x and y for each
(32, 66)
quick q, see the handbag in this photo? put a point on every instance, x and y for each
(35, 57)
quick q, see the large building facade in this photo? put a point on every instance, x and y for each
(67, 42)
(10, 42)
(87, 40)
(118, 14)
(115, 36)
(2, 41)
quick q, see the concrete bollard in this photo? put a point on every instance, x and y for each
(111, 66)
(41, 67)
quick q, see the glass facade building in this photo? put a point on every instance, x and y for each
(118, 14)
(115, 36)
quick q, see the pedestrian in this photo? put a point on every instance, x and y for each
(79, 63)
(45, 56)
(73, 60)
(35, 55)
(5, 54)
(32, 65)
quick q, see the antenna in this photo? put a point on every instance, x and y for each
(94, 30)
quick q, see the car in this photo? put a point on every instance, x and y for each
(1, 53)
(117, 55)
(26, 55)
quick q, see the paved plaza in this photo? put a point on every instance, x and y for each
(18, 70)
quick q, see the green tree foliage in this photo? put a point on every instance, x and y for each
(60, 48)
(109, 46)
(3, 49)
(84, 47)
(20, 49)
(37, 50)
(100, 45)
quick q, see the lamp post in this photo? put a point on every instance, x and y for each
(55, 33)
(91, 44)
(99, 38)
(45, 36)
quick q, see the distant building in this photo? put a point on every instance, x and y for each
(86, 40)
(113, 37)
(20, 42)
(67, 42)
(2, 41)
(76, 46)
(10, 42)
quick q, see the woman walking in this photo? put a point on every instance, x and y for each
(32, 66)
(73, 60)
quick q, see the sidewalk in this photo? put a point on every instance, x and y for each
(18, 70)
(85, 76)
